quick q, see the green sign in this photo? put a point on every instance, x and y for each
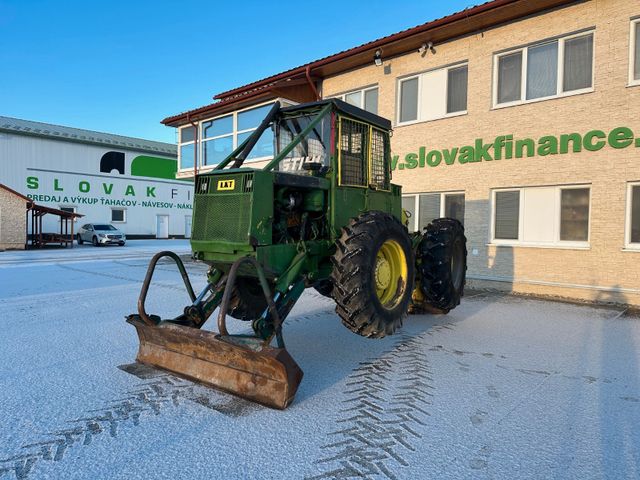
(504, 147)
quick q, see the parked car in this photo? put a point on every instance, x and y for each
(100, 234)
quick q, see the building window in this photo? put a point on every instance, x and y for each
(217, 139)
(425, 207)
(187, 146)
(634, 53)
(221, 135)
(434, 94)
(118, 215)
(633, 216)
(544, 70)
(366, 98)
(69, 210)
(542, 216)
(574, 214)
(507, 215)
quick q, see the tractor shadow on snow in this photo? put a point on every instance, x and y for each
(329, 353)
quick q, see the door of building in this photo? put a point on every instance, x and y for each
(162, 226)
(187, 226)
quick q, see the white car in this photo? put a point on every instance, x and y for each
(100, 234)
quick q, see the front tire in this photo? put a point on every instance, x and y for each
(372, 274)
(94, 241)
(247, 300)
(79, 238)
(443, 264)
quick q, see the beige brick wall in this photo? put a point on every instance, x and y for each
(12, 221)
(604, 271)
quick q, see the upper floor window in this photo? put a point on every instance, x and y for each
(548, 69)
(221, 135)
(432, 95)
(187, 137)
(634, 53)
(542, 216)
(633, 216)
(366, 98)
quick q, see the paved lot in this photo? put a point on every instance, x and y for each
(502, 387)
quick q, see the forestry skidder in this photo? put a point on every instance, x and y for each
(324, 214)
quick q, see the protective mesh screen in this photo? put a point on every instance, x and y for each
(354, 146)
(380, 151)
(222, 217)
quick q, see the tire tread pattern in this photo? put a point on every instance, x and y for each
(353, 286)
(435, 252)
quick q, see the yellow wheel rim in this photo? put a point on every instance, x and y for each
(390, 273)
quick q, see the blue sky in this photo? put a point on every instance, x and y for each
(122, 66)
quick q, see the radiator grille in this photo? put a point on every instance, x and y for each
(221, 216)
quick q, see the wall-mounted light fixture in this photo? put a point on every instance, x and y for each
(377, 58)
(426, 47)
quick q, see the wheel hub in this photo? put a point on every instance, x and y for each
(390, 273)
(382, 273)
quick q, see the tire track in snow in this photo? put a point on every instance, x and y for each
(159, 391)
(387, 400)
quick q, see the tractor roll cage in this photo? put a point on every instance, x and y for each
(320, 109)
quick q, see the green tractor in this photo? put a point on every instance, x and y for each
(323, 214)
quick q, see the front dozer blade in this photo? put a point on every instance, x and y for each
(236, 364)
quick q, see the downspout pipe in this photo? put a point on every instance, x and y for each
(307, 72)
(195, 146)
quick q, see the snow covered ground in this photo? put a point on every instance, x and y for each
(502, 387)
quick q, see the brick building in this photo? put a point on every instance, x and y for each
(13, 219)
(519, 118)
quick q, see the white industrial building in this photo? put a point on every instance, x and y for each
(128, 182)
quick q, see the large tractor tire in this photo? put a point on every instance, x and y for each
(442, 256)
(247, 301)
(372, 276)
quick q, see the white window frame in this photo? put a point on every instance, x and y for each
(627, 229)
(556, 243)
(419, 76)
(361, 92)
(234, 134)
(416, 204)
(181, 144)
(124, 215)
(560, 73)
(632, 52)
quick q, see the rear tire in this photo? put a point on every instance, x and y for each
(79, 238)
(372, 274)
(247, 300)
(443, 264)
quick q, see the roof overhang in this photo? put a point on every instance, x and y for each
(465, 22)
